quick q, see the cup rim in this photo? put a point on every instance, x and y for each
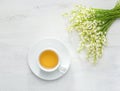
(45, 69)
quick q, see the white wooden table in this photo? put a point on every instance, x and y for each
(24, 22)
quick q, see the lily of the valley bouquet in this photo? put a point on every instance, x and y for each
(92, 26)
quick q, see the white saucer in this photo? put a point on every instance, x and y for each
(63, 54)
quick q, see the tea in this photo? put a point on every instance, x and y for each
(48, 59)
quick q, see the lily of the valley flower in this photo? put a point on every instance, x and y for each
(92, 25)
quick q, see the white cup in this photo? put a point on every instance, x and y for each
(58, 66)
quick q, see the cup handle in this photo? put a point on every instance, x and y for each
(62, 69)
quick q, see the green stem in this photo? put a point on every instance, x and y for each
(117, 6)
(107, 25)
(112, 15)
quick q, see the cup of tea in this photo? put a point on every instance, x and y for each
(49, 61)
